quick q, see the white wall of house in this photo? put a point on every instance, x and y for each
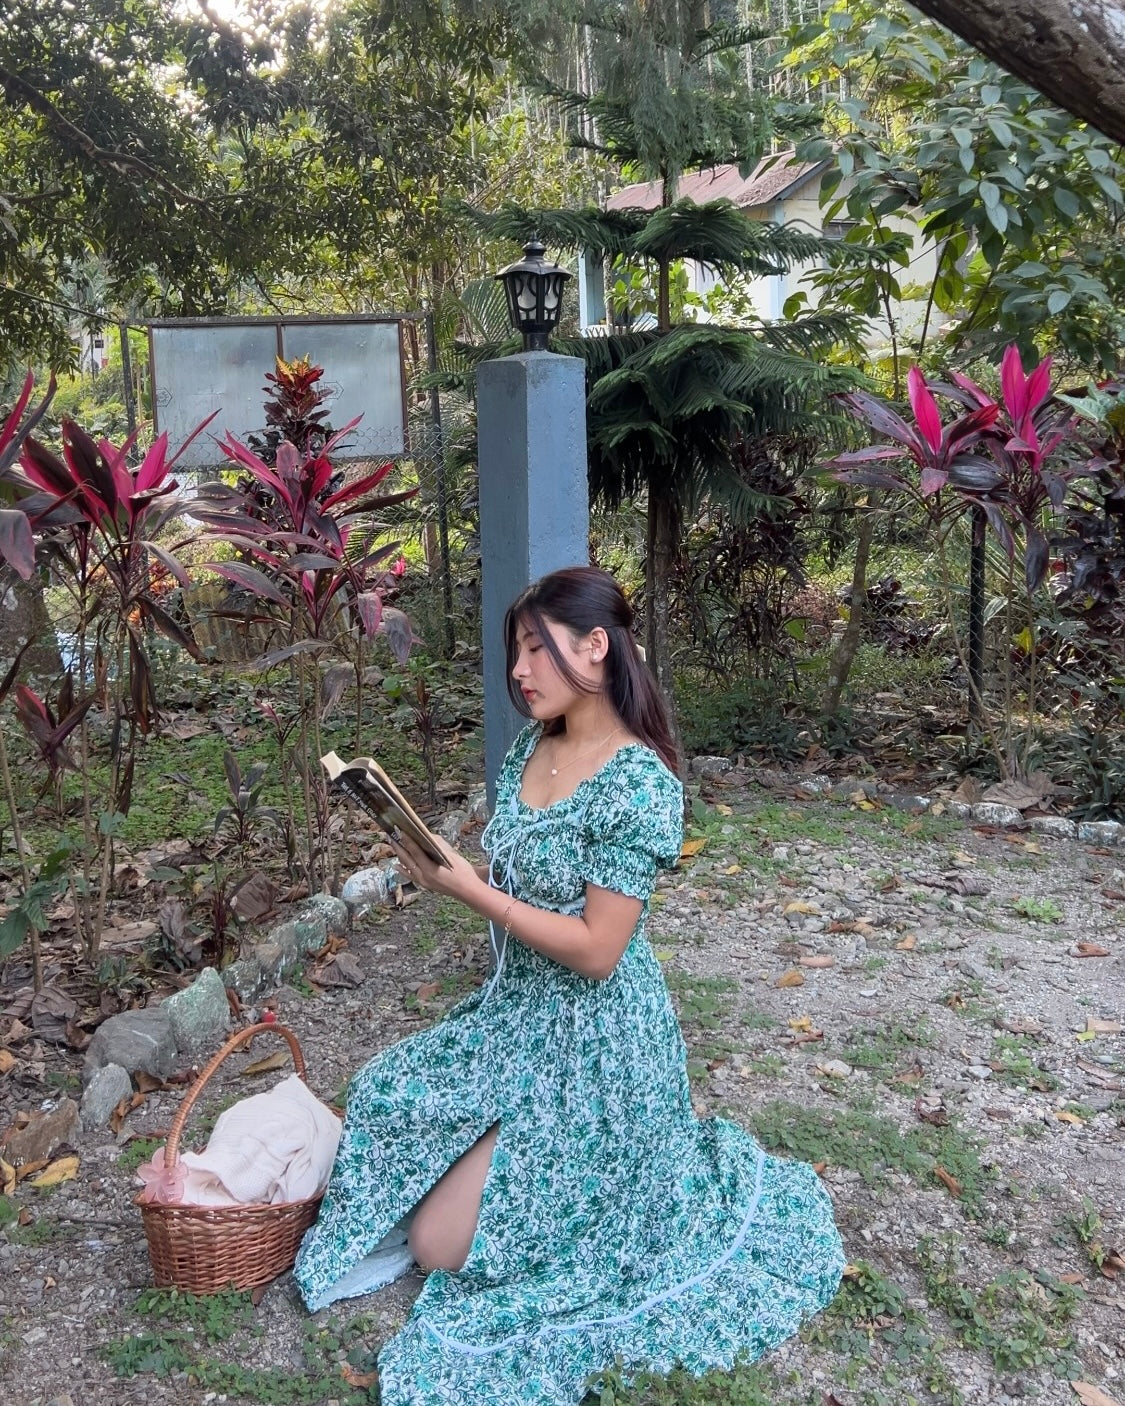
(767, 295)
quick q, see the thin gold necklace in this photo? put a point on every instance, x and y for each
(574, 760)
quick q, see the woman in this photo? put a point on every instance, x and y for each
(570, 1207)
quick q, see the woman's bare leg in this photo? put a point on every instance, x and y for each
(446, 1218)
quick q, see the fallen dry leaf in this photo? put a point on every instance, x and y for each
(820, 961)
(428, 990)
(1089, 949)
(724, 810)
(341, 969)
(908, 943)
(939, 1117)
(60, 1170)
(732, 869)
(359, 1380)
(800, 1023)
(799, 906)
(7, 1061)
(277, 1060)
(1065, 1116)
(1090, 1395)
(949, 1181)
(792, 977)
(692, 847)
(7, 1178)
(1093, 1027)
(819, 1168)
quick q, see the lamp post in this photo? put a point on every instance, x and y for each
(533, 288)
(532, 477)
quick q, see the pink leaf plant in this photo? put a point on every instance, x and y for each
(999, 458)
(305, 548)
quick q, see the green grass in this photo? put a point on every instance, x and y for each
(136, 1151)
(885, 1049)
(1014, 1061)
(699, 999)
(874, 1146)
(1021, 1320)
(186, 1329)
(1038, 910)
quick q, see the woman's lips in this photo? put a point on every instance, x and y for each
(528, 693)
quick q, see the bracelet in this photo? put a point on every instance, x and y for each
(507, 918)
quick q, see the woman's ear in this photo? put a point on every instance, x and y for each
(597, 641)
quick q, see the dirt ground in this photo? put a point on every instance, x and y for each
(900, 998)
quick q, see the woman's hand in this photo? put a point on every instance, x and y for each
(459, 881)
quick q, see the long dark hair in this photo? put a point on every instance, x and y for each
(581, 598)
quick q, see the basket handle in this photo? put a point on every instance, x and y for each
(235, 1043)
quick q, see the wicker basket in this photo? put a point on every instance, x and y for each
(203, 1249)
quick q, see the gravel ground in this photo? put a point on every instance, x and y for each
(898, 997)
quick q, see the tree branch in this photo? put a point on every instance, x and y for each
(20, 93)
(1072, 51)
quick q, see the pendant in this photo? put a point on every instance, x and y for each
(554, 771)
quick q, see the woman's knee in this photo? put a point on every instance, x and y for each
(432, 1244)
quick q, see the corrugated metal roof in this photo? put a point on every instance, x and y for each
(764, 184)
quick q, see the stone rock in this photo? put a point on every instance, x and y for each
(451, 825)
(852, 789)
(979, 1071)
(325, 906)
(902, 800)
(244, 977)
(200, 1014)
(136, 1040)
(299, 936)
(478, 806)
(104, 1092)
(273, 962)
(709, 767)
(976, 971)
(959, 810)
(992, 813)
(1056, 825)
(368, 888)
(1100, 832)
(43, 1134)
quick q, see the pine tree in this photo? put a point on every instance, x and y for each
(666, 405)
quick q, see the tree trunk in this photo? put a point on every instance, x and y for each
(663, 540)
(843, 656)
(23, 615)
(1073, 51)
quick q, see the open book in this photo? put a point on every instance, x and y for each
(365, 781)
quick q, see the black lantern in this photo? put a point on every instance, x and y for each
(534, 291)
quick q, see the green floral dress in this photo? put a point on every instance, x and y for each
(614, 1224)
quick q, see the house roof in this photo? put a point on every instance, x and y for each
(767, 182)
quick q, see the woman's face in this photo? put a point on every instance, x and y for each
(547, 693)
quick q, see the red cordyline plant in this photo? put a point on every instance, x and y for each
(93, 519)
(994, 456)
(17, 544)
(313, 566)
(998, 460)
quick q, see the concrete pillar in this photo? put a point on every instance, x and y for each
(534, 504)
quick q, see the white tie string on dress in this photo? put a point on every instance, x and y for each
(502, 848)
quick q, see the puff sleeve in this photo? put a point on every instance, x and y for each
(634, 826)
